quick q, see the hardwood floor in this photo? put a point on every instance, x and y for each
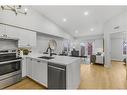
(92, 77)
(26, 84)
(98, 77)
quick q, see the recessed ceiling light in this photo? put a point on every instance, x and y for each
(64, 19)
(76, 31)
(86, 13)
(25, 9)
(91, 29)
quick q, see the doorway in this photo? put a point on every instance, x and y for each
(119, 51)
(118, 46)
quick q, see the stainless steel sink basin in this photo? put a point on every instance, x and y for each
(46, 57)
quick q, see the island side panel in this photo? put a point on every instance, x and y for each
(73, 75)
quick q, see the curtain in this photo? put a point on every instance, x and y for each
(82, 50)
(90, 48)
(124, 47)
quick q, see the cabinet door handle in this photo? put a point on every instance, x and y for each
(56, 67)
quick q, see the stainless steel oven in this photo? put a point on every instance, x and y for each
(10, 69)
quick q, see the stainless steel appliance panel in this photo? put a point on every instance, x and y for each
(10, 68)
(10, 80)
(10, 75)
(56, 76)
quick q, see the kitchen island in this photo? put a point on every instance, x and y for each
(44, 71)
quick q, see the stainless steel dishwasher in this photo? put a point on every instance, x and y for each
(56, 76)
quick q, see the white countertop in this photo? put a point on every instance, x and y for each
(62, 60)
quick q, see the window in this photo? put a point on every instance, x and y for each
(90, 48)
(124, 47)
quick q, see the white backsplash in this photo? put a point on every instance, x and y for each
(42, 43)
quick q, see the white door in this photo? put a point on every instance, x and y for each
(29, 67)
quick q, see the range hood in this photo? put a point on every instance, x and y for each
(8, 38)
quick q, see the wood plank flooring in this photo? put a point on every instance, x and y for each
(26, 84)
(92, 77)
(98, 77)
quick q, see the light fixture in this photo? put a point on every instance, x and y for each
(64, 19)
(86, 13)
(17, 9)
(91, 29)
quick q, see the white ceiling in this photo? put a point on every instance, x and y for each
(76, 20)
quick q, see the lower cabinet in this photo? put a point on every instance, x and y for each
(37, 70)
(41, 71)
(24, 67)
(29, 67)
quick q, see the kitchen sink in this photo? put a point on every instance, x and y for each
(46, 57)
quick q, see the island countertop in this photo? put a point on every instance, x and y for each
(72, 69)
(62, 60)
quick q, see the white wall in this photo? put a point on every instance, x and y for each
(42, 43)
(33, 21)
(116, 49)
(121, 21)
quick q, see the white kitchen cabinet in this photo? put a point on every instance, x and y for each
(42, 72)
(29, 67)
(26, 38)
(8, 30)
(24, 72)
(2, 30)
(12, 32)
(37, 70)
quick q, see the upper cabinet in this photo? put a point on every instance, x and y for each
(2, 29)
(26, 38)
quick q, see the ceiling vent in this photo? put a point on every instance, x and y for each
(116, 27)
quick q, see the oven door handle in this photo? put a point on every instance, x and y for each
(5, 62)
